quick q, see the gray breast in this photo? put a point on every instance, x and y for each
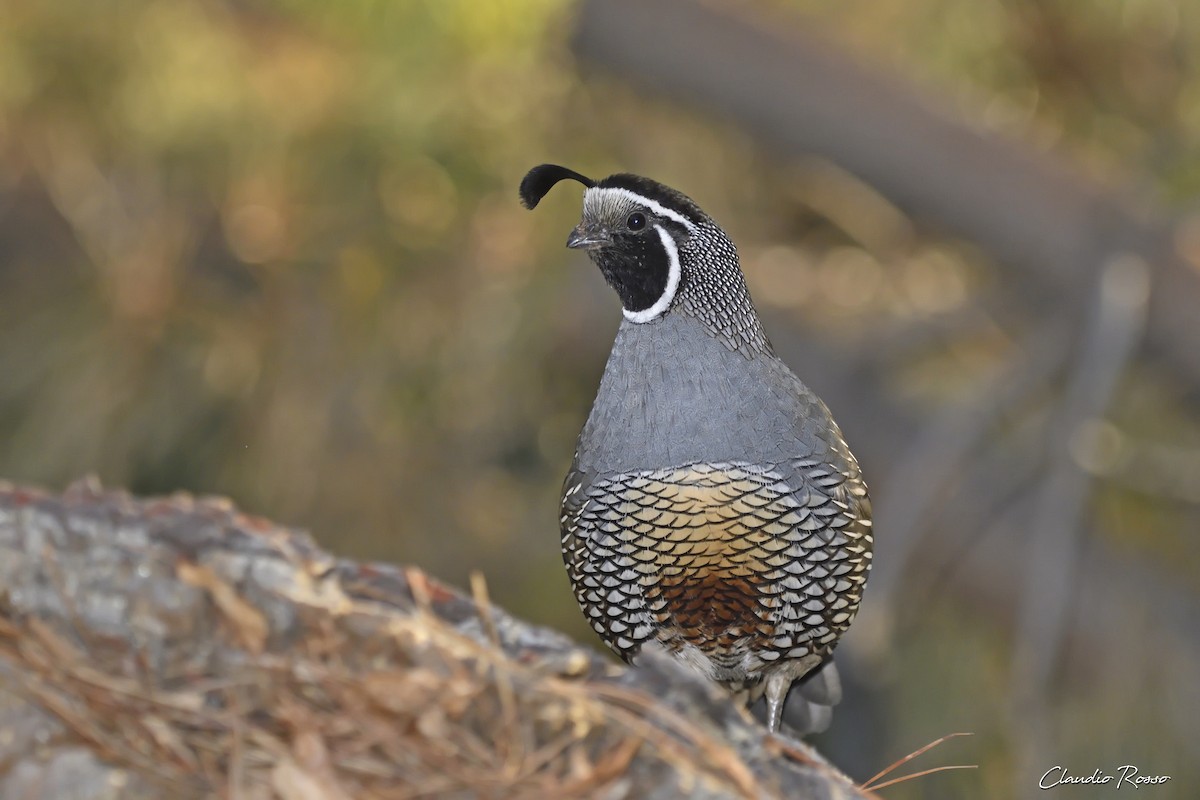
(673, 393)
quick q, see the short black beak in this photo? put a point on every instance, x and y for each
(589, 237)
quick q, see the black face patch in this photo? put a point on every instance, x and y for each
(636, 265)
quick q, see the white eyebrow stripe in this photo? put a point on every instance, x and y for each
(656, 207)
(673, 275)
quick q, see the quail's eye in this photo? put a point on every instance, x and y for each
(636, 221)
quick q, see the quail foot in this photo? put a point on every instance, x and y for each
(713, 509)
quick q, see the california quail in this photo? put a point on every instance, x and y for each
(713, 509)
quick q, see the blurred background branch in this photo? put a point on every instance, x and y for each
(1033, 213)
(274, 252)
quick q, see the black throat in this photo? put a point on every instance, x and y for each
(638, 269)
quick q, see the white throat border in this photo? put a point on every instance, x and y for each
(673, 275)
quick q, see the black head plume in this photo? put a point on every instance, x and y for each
(542, 178)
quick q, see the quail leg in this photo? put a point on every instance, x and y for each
(777, 689)
(777, 685)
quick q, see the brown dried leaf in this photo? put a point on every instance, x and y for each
(61, 650)
(307, 774)
(168, 738)
(433, 725)
(403, 692)
(460, 694)
(291, 782)
(248, 623)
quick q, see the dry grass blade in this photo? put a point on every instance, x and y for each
(904, 778)
(483, 604)
(246, 621)
(895, 765)
(513, 747)
(715, 752)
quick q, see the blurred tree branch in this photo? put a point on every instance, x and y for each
(1061, 504)
(176, 648)
(1032, 211)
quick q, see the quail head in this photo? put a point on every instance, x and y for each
(713, 509)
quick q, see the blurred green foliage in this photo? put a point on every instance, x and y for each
(272, 250)
(274, 253)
